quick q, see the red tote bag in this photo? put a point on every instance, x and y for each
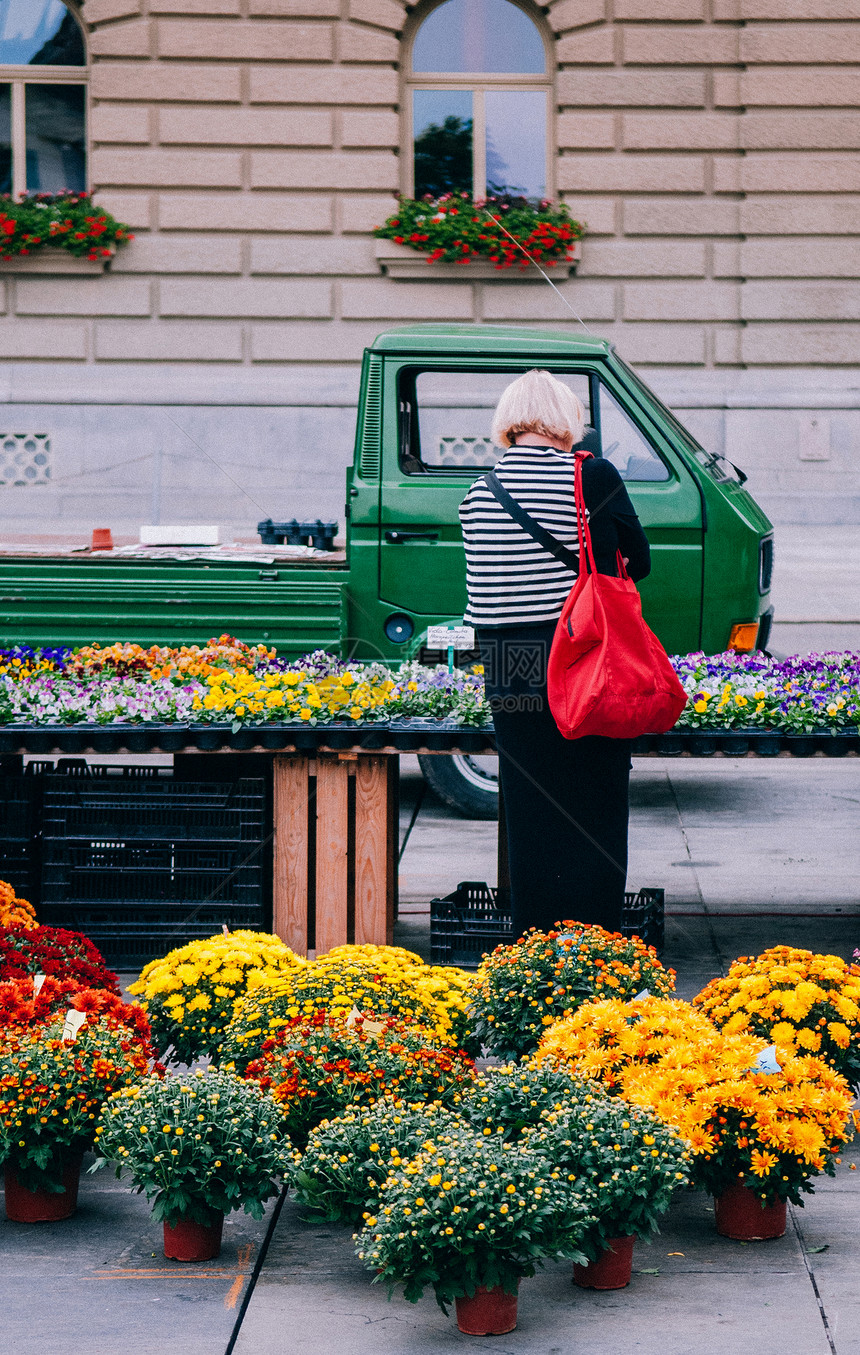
(608, 674)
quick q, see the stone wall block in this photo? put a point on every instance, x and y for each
(727, 175)
(589, 46)
(801, 301)
(672, 10)
(632, 258)
(359, 214)
(295, 9)
(801, 173)
(631, 88)
(167, 168)
(311, 341)
(35, 339)
(567, 14)
(245, 212)
(246, 126)
(302, 255)
(379, 299)
(631, 173)
(681, 301)
(800, 131)
(167, 341)
(585, 131)
(677, 46)
(726, 347)
(135, 209)
(100, 11)
(791, 87)
(246, 40)
(680, 131)
(252, 297)
(800, 9)
(801, 43)
(681, 216)
(366, 44)
(216, 7)
(727, 89)
(276, 169)
(216, 254)
(507, 301)
(304, 85)
(798, 345)
(120, 122)
(82, 296)
(372, 128)
(807, 215)
(168, 81)
(123, 39)
(598, 214)
(810, 258)
(383, 13)
(654, 345)
(726, 259)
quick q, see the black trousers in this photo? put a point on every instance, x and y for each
(566, 800)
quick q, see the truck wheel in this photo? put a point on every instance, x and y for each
(468, 784)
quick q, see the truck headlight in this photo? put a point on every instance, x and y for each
(765, 564)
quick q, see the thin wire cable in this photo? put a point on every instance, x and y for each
(543, 274)
(215, 463)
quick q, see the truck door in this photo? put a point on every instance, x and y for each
(444, 445)
(667, 499)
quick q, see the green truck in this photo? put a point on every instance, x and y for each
(426, 397)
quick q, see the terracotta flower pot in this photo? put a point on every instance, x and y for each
(740, 1214)
(188, 1240)
(488, 1312)
(43, 1206)
(612, 1270)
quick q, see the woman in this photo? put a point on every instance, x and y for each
(566, 801)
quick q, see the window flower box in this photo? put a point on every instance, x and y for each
(402, 263)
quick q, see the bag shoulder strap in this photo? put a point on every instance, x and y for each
(568, 557)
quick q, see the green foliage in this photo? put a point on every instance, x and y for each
(68, 221)
(632, 1160)
(469, 1211)
(455, 228)
(196, 1143)
(515, 1097)
(347, 1160)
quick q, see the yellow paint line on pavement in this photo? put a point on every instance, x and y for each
(243, 1256)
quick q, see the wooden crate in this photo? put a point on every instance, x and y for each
(335, 849)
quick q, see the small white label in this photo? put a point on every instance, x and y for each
(646, 992)
(369, 1026)
(451, 637)
(38, 980)
(766, 1061)
(225, 929)
(74, 1021)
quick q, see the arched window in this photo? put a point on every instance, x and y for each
(478, 101)
(43, 98)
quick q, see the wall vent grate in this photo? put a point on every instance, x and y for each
(25, 459)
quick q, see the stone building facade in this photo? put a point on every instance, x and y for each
(211, 374)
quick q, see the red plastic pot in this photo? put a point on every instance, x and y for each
(488, 1312)
(612, 1270)
(740, 1214)
(43, 1206)
(189, 1240)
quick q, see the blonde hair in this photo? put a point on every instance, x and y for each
(537, 402)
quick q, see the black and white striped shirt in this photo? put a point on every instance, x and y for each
(512, 580)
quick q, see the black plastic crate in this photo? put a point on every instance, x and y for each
(153, 809)
(129, 937)
(115, 873)
(468, 923)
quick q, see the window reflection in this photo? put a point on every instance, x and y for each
(39, 33)
(442, 122)
(478, 35)
(624, 445)
(516, 141)
(5, 138)
(56, 138)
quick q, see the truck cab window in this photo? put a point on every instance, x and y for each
(451, 414)
(625, 445)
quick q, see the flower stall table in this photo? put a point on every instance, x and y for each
(335, 800)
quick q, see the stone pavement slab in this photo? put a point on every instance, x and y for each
(99, 1282)
(717, 1297)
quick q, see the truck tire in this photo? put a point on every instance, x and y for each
(468, 784)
